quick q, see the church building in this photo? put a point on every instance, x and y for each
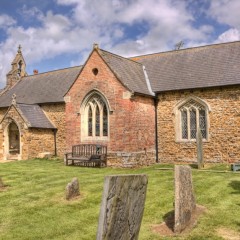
(145, 109)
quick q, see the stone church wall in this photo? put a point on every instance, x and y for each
(131, 118)
(56, 114)
(39, 141)
(224, 127)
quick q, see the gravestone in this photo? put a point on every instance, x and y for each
(1, 183)
(72, 189)
(184, 198)
(199, 149)
(122, 207)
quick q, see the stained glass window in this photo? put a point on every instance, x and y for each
(202, 123)
(97, 117)
(184, 125)
(97, 123)
(193, 116)
(193, 124)
(90, 119)
(105, 121)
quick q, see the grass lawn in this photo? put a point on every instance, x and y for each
(33, 204)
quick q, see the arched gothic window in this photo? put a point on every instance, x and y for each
(96, 117)
(191, 115)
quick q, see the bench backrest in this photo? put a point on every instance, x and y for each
(88, 150)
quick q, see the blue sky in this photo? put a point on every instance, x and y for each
(60, 33)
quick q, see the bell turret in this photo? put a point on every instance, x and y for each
(18, 69)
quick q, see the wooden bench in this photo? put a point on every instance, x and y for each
(87, 155)
(235, 167)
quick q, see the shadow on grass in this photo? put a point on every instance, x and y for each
(236, 186)
(169, 219)
(194, 166)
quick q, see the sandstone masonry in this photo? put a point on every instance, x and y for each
(224, 127)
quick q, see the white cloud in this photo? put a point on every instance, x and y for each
(226, 12)
(67, 2)
(6, 21)
(107, 22)
(230, 35)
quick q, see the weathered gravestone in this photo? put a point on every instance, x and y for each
(72, 189)
(1, 183)
(199, 149)
(122, 207)
(184, 198)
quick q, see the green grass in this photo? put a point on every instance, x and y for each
(33, 204)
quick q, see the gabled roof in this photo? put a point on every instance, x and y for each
(129, 72)
(49, 87)
(200, 67)
(33, 115)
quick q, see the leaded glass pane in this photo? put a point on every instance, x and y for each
(105, 121)
(97, 125)
(193, 124)
(202, 123)
(89, 121)
(184, 125)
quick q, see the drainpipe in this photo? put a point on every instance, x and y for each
(156, 128)
(55, 142)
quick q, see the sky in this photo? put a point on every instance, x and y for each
(58, 34)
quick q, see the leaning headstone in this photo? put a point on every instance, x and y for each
(72, 189)
(122, 207)
(1, 183)
(184, 198)
(199, 149)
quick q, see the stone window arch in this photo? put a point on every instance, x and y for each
(191, 114)
(95, 117)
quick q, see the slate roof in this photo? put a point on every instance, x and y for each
(200, 67)
(34, 116)
(46, 87)
(129, 72)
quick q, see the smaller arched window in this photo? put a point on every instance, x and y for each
(95, 117)
(192, 114)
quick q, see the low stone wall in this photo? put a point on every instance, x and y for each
(131, 159)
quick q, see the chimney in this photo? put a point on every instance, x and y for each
(35, 71)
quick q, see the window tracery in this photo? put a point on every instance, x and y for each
(191, 116)
(96, 115)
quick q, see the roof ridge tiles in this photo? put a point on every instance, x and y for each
(139, 57)
(56, 70)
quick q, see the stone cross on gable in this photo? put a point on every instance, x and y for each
(14, 96)
(19, 48)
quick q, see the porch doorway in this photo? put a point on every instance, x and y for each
(13, 141)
